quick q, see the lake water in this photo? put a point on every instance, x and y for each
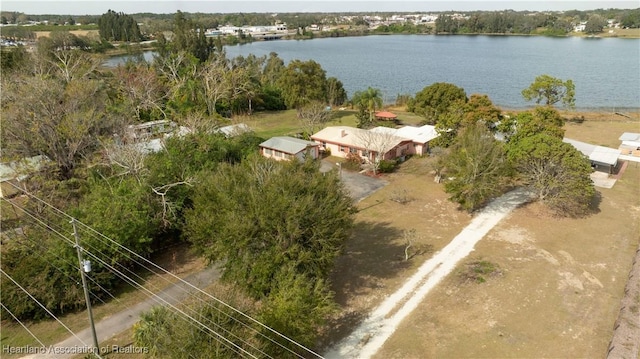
(606, 71)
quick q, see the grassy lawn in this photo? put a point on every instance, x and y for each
(51, 332)
(373, 265)
(558, 296)
(603, 129)
(559, 283)
(286, 123)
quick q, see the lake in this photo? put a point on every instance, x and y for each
(606, 71)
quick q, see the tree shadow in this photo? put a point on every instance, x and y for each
(373, 253)
(594, 205)
(370, 255)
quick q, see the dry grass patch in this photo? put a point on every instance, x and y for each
(602, 128)
(558, 297)
(93, 34)
(373, 264)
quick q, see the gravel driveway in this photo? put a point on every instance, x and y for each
(358, 185)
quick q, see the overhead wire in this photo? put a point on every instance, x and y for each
(48, 227)
(167, 303)
(121, 275)
(42, 306)
(95, 233)
(22, 324)
(118, 273)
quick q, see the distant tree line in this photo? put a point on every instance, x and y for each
(118, 27)
(514, 22)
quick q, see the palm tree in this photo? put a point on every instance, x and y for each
(369, 99)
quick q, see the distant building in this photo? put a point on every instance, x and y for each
(234, 130)
(630, 144)
(285, 148)
(13, 172)
(603, 159)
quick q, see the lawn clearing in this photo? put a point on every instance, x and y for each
(286, 123)
(560, 282)
(558, 296)
(373, 265)
(602, 129)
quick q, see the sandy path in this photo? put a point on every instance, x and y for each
(372, 333)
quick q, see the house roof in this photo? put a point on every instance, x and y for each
(630, 139)
(234, 130)
(343, 135)
(288, 145)
(595, 153)
(386, 114)
(422, 134)
(630, 136)
(351, 136)
(21, 168)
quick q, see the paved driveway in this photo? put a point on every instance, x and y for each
(358, 185)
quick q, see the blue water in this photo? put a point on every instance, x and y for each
(606, 71)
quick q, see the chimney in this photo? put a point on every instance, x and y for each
(343, 133)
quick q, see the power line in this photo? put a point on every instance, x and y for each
(42, 306)
(24, 326)
(132, 281)
(91, 230)
(48, 227)
(165, 302)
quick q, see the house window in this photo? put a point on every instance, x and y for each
(267, 151)
(353, 150)
(343, 148)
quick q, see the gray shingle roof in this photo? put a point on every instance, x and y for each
(286, 144)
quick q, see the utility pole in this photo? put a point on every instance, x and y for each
(85, 266)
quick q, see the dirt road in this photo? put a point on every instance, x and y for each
(371, 334)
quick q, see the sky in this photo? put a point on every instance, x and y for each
(97, 7)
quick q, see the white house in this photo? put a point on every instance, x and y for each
(286, 148)
(420, 136)
(630, 144)
(603, 159)
(345, 140)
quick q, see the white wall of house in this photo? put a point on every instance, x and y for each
(276, 155)
(281, 156)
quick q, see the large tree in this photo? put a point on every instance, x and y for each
(142, 92)
(302, 82)
(264, 217)
(118, 27)
(595, 24)
(462, 114)
(63, 121)
(550, 90)
(435, 99)
(368, 100)
(313, 116)
(189, 36)
(377, 145)
(476, 167)
(336, 94)
(556, 172)
(526, 124)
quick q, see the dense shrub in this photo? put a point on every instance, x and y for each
(387, 166)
